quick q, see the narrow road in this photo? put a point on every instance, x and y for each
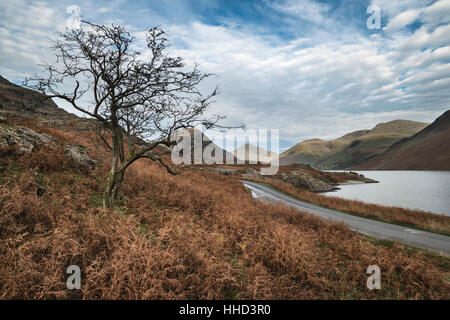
(381, 230)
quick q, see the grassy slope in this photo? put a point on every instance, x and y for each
(310, 151)
(197, 235)
(358, 151)
(307, 152)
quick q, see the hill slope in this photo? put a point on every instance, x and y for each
(310, 151)
(353, 148)
(429, 149)
(370, 144)
(196, 235)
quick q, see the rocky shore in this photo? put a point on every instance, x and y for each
(299, 175)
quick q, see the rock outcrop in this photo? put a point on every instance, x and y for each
(25, 139)
(78, 153)
(303, 180)
(252, 174)
(299, 177)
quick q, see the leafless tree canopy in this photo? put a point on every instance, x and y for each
(135, 97)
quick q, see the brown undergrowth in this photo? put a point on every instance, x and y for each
(420, 219)
(198, 235)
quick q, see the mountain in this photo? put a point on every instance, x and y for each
(17, 101)
(250, 152)
(197, 136)
(428, 149)
(310, 151)
(370, 144)
(353, 148)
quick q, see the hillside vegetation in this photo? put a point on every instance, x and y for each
(198, 235)
(310, 151)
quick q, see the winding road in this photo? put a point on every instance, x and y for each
(381, 230)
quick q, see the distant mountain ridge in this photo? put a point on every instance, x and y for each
(394, 145)
(428, 149)
(252, 153)
(351, 149)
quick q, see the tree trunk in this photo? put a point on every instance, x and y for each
(108, 198)
(118, 182)
(115, 177)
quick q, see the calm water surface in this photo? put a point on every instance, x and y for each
(424, 190)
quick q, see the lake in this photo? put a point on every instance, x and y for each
(424, 190)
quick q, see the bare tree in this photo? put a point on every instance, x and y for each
(139, 100)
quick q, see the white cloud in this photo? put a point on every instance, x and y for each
(296, 89)
(307, 9)
(437, 13)
(390, 8)
(423, 38)
(403, 19)
(433, 15)
(25, 32)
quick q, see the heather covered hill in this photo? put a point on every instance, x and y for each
(17, 102)
(197, 235)
(429, 149)
(306, 152)
(353, 148)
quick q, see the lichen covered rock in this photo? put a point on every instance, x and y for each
(25, 139)
(79, 155)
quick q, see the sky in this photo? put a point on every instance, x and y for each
(313, 69)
